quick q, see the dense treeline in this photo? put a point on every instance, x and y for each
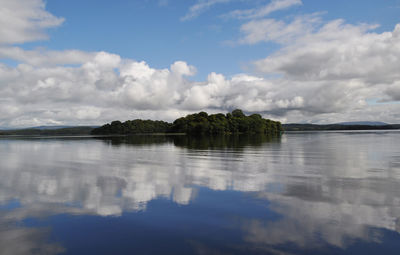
(198, 123)
(235, 122)
(133, 127)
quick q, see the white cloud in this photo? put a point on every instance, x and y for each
(273, 6)
(201, 6)
(107, 87)
(335, 67)
(338, 51)
(43, 57)
(24, 21)
(278, 31)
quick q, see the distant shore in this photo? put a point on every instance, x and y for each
(88, 130)
(316, 127)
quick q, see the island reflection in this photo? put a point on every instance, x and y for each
(323, 186)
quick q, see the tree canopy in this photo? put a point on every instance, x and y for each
(133, 127)
(198, 123)
(235, 122)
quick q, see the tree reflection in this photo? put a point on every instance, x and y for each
(327, 189)
(201, 142)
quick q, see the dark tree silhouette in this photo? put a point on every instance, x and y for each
(198, 123)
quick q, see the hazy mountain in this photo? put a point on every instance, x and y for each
(340, 126)
(48, 127)
(367, 123)
(49, 130)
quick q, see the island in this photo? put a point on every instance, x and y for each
(235, 122)
(202, 123)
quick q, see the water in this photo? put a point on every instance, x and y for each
(303, 193)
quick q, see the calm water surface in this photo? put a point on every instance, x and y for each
(304, 193)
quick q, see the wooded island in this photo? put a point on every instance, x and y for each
(199, 123)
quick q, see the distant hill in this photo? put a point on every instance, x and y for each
(79, 130)
(316, 127)
(365, 123)
(48, 127)
(86, 130)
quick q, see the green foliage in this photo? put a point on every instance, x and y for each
(238, 113)
(235, 122)
(198, 123)
(133, 127)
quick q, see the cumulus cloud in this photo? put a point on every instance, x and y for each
(337, 68)
(24, 21)
(35, 94)
(108, 87)
(337, 51)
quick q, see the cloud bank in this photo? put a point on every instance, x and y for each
(24, 21)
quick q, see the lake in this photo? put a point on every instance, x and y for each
(302, 193)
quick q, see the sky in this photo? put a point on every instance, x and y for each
(306, 61)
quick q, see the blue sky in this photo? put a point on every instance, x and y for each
(93, 61)
(153, 32)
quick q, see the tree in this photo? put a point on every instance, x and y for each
(238, 113)
(197, 123)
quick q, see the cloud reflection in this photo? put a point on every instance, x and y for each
(21, 241)
(332, 186)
